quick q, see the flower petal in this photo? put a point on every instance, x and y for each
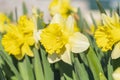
(115, 17)
(52, 58)
(37, 35)
(70, 24)
(26, 50)
(66, 55)
(19, 56)
(116, 51)
(78, 42)
(57, 19)
(106, 20)
(116, 74)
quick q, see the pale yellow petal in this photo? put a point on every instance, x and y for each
(116, 51)
(66, 55)
(116, 74)
(106, 20)
(36, 35)
(58, 19)
(70, 24)
(78, 42)
(26, 50)
(115, 17)
(52, 58)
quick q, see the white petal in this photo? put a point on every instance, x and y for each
(57, 19)
(66, 55)
(78, 42)
(116, 51)
(115, 17)
(53, 58)
(116, 74)
(37, 35)
(70, 24)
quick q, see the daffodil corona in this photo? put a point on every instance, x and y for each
(60, 38)
(19, 38)
(107, 35)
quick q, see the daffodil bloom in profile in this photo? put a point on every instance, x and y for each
(62, 7)
(4, 20)
(108, 35)
(59, 38)
(116, 74)
(19, 38)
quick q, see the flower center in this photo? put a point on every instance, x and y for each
(53, 39)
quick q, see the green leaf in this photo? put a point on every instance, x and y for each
(80, 70)
(102, 77)
(100, 7)
(11, 16)
(94, 64)
(110, 70)
(38, 69)
(49, 74)
(80, 21)
(24, 8)
(94, 22)
(25, 69)
(75, 77)
(62, 77)
(2, 77)
(84, 59)
(65, 70)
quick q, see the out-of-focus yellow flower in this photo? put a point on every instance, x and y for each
(4, 20)
(107, 35)
(60, 38)
(116, 74)
(19, 38)
(62, 7)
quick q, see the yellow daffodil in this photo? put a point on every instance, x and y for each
(116, 74)
(62, 7)
(107, 35)
(4, 20)
(60, 38)
(19, 38)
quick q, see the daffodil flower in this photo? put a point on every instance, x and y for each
(19, 38)
(60, 38)
(62, 7)
(107, 35)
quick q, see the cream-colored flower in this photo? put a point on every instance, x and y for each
(60, 38)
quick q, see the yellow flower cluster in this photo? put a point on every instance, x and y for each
(107, 35)
(59, 38)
